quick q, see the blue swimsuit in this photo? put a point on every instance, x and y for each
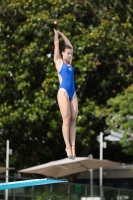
(67, 74)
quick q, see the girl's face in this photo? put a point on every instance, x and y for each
(67, 55)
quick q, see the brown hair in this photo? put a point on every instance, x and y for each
(65, 47)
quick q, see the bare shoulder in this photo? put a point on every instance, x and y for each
(58, 64)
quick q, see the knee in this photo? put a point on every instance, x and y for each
(66, 121)
(73, 120)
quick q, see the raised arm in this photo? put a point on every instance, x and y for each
(66, 40)
(56, 46)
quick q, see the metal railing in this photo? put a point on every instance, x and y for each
(68, 191)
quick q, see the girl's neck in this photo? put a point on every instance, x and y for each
(66, 62)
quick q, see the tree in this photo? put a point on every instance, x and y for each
(120, 117)
(101, 33)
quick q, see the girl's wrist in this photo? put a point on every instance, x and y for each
(61, 34)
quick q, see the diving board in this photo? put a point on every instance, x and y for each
(28, 183)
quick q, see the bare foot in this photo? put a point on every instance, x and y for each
(69, 152)
(73, 152)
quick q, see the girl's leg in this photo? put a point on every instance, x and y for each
(64, 105)
(74, 112)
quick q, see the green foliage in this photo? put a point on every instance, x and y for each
(101, 33)
(58, 192)
(121, 116)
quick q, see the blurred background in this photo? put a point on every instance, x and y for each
(101, 33)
